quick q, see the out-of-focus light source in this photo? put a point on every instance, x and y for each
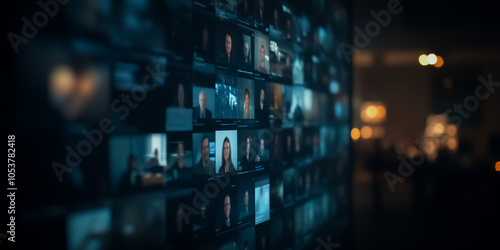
(422, 59)
(452, 143)
(429, 131)
(497, 166)
(432, 59)
(451, 130)
(439, 128)
(380, 111)
(429, 147)
(366, 132)
(61, 81)
(355, 133)
(439, 63)
(371, 111)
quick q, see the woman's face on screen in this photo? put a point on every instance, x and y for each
(226, 151)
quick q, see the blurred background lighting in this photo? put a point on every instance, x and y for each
(422, 59)
(371, 111)
(439, 63)
(432, 59)
(380, 111)
(355, 133)
(452, 143)
(366, 132)
(439, 128)
(451, 130)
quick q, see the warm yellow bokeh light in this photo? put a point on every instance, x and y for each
(366, 132)
(432, 59)
(422, 59)
(439, 128)
(61, 81)
(371, 111)
(497, 166)
(452, 143)
(429, 147)
(355, 133)
(451, 130)
(439, 63)
(429, 131)
(380, 111)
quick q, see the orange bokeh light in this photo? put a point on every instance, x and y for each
(355, 133)
(366, 132)
(439, 63)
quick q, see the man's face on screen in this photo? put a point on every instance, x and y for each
(245, 49)
(202, 99)
(205, 150)
(228, 44)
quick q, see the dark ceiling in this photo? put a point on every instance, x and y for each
(439, 25)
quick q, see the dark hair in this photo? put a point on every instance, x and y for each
(229, 157)
(247, 92)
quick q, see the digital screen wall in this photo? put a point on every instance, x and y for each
(183, 124)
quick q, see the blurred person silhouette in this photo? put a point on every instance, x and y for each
(128, 179)
(243, 10)
(204, 43)
(287, 70)
(245, 212)
(298, 115)
(180, 96)
(263, 154)
(261, 112)
(288, 28)
(180, 171)
(260, 14)
(153, 161)
(276, 19)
